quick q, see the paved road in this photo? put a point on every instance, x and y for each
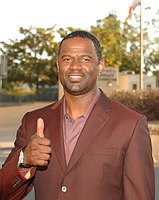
(10, 118)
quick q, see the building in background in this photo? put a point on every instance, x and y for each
(108, 80)
(128, 80)
(111, 80)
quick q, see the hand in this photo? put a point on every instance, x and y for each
(38, 150)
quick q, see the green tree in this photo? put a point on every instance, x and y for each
(63, 32)
(131, 44)
(120, 43)
(109, 33)
(32, 59)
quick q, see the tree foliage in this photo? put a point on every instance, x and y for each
(109, 33)
(32, 58)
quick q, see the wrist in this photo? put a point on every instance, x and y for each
(21, 161)
(21, 157)
(23, 165)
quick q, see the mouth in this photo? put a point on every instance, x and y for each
(75, 77)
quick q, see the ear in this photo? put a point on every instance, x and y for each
(101, 65)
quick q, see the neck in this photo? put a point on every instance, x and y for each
(77, 105)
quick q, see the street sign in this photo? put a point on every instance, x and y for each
(3, 66)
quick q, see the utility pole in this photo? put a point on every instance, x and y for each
(3, 68)
(141, 48)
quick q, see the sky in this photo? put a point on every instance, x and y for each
(64, 13)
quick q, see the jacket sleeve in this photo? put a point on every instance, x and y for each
(138, 177)
(14, 185)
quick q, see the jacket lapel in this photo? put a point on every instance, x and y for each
(55, 129)
(96, 121)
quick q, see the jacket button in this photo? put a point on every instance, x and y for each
(64, 189)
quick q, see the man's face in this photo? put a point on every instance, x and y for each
(78, 65)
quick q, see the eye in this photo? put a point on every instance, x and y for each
(67, 59)
(85, 59)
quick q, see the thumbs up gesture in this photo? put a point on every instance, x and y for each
(38, 150)
(40, 127)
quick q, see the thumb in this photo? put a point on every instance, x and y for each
(40, 127)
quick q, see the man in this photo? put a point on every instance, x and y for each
(85, 146)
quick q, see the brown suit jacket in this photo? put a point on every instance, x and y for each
(112, 159)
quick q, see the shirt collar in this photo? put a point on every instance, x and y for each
(89, 109)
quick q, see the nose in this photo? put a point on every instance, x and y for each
(75, 64)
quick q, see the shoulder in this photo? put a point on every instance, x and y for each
(123, 109)
(120, 110)
(43, 111)
(126, 115)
